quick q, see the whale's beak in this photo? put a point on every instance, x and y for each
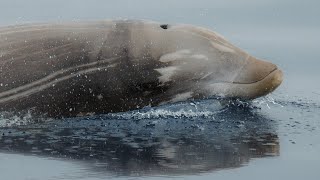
(257, 78)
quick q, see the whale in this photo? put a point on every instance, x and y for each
(68, 69)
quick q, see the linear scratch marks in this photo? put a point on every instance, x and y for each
(47, 85)
(3, 62)
(200, 57)
(206, 75)
(53, 78)
(175, 55)
(7, 32)
(222, 48)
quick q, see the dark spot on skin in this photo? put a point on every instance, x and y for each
(164, 26)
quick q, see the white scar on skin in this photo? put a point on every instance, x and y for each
(208, 74)
(50, 84)
(175, 55)
(54, 76)
(200, 56)
(166, 73)
(181, 97)
(222, 48)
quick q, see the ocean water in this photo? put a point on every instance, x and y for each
(274, 137)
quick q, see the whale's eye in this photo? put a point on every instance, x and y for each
(164, 26)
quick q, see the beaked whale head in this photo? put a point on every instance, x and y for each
(202, 62)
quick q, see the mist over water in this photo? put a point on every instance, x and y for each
(275, 137)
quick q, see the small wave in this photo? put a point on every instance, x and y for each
(303, 104)
(200, 109)
(300, 102)
(267, 101)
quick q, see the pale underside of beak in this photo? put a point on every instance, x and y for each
(256, 78)
(258, 88)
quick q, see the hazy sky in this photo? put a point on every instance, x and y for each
(202, 12)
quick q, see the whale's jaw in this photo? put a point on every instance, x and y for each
(256, 78)
(262, 87)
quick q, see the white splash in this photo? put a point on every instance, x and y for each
(8, 119)
(181, 97)
(218, 89)
(163, 113)
(267, 100)
(204, 109)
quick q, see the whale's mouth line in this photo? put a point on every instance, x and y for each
(247, 91)
(271, 72)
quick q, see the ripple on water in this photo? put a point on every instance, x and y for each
(189, 137)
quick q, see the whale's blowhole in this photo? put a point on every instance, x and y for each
(164, 26)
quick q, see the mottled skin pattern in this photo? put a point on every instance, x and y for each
(111, 66)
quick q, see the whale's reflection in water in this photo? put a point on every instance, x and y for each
(162, 146)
